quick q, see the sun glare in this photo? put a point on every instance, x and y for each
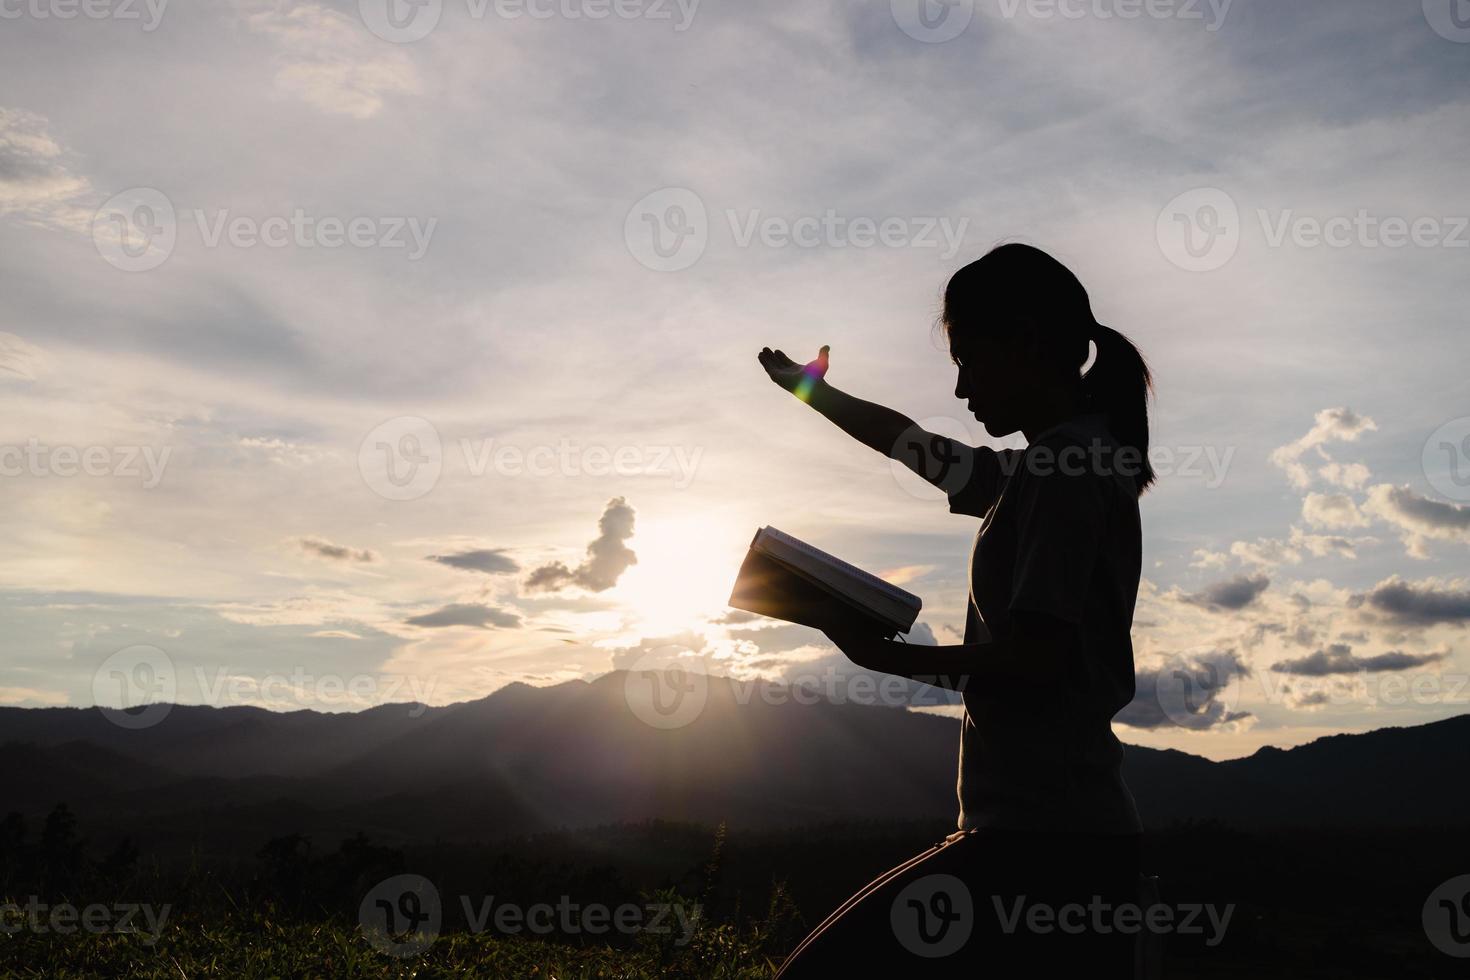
(686, 568)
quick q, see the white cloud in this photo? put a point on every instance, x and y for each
(330, 61)
(1333, 425)
(1335, 510)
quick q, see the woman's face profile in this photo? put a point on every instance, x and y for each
(992, 379)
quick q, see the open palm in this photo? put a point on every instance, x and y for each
(789, 374)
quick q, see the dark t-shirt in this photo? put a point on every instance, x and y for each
(1060, 536)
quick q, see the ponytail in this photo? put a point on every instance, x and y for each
(1118, 386)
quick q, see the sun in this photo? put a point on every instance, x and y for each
(686, 568)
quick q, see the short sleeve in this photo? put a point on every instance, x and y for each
(976, 478)
(1060, 526)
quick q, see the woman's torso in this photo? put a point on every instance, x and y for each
(1048, 759)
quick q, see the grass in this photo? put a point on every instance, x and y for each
(248, 944)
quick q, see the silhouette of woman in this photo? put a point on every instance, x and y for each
(1048, 841)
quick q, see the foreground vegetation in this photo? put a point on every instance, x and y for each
(1309, 903)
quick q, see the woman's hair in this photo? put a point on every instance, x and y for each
(1018, 289)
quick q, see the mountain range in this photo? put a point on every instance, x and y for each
(528, 759)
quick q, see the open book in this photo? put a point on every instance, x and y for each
(787, 579)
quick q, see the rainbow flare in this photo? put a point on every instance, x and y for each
(811, 374)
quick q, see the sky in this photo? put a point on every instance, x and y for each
(373, 352)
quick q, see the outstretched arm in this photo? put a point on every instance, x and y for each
(895, 435)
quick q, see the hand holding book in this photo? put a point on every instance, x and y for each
(785, 578)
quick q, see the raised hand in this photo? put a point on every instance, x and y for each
(799, 379)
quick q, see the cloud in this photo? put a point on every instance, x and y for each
(466, 614)
(658, 652)
(19, 359)
(1351, 476)
(1339, 659)
(328, 61)
(735, 617)
(1271, 552)
(922, 634)
(324, 549)
(1335, 510)
(1234, 593)
(1332, 425)
(607, 556)
(35, 180)
(1418, 605)
(1187, 692)
(1418, 517)
(489, 561)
